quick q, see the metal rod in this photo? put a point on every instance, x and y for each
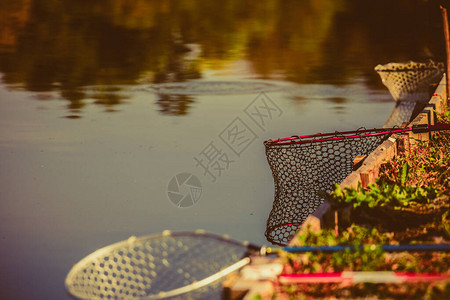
(387, 248)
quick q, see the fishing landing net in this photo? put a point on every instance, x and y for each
(165, 266)
(304, 167)
(410, 81)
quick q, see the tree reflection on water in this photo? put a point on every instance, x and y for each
(174, 104)
(65, 45)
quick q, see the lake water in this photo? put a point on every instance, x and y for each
(93, 127)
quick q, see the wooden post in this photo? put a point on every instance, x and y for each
(447, 43)
(336, 224)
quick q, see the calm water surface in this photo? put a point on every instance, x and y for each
(89, 138)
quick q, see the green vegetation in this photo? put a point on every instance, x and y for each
(384, 194)
(368, 259)
(356, 260)
(424, 165)
(394, 208)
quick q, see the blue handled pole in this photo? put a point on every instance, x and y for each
(387, 248)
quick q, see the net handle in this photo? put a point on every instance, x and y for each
(415, 129)
(362, 277)
(201, 283)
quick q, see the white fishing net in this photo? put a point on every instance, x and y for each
(410, 81)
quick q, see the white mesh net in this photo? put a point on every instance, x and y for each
(152, 267)
(410, 81)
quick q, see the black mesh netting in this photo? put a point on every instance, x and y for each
(147, 267)
(304, 167)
